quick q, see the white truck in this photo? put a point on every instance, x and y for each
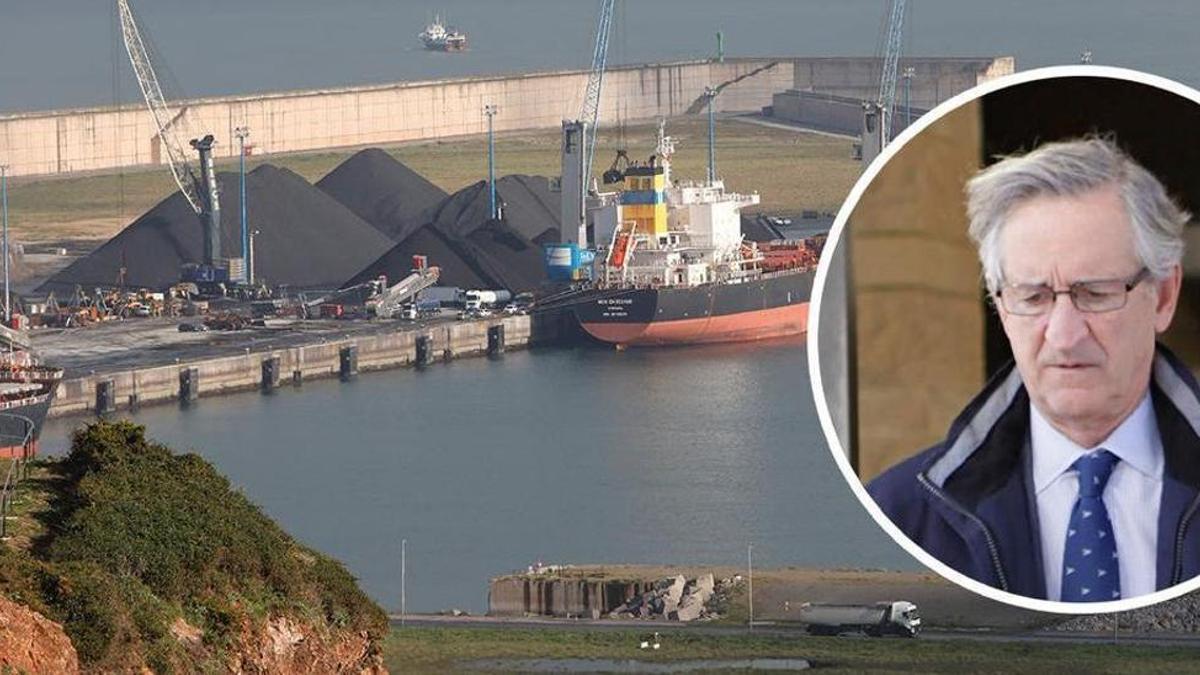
(882, 618)
(479, 300)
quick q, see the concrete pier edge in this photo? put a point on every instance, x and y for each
(244, 371)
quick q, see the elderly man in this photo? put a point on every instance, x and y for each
(1075, 474)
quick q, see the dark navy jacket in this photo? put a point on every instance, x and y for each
(969, 500)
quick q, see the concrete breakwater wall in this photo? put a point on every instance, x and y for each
(561, 597)
(108, 392)
(64, 142)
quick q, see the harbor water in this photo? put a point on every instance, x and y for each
(564, 455)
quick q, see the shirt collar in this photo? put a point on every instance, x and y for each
(1135, 442)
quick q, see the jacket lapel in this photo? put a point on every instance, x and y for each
(1177, 412)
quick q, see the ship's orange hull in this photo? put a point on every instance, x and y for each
(18, 451)
(759, 324)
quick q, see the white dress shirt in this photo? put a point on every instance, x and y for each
(1132, 496)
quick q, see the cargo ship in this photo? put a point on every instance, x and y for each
(676, 269)
(437, 37)
(27, 389)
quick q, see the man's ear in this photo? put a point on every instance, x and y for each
(1168, 298)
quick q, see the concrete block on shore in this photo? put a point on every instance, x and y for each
(689, 611)
(674, 592)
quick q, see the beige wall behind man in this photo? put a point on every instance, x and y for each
(920, 322)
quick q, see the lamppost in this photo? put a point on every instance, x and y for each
(4, 192)
(242, 133)
(490, 111)
(711, 93)
(250, 259)
(908, 76)
(750, 582)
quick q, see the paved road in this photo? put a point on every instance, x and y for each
(983, 635)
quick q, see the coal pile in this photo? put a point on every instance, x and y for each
(384, 192)
(510, 260)
(472, 250)
(526, 204)
(396, 263)
(306, 238)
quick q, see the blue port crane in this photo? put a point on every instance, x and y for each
(201, 190)
(590, 112)
(891, 65)
(579, 140)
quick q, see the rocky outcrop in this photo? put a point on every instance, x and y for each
(1181, 615)
(29, 642)
(286, 646)
(677, 599)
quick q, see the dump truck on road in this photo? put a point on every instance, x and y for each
(882, 618)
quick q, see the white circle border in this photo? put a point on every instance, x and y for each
(813, 340)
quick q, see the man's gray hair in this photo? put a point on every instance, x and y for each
(1071, 169)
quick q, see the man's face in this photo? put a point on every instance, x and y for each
(1084, 371)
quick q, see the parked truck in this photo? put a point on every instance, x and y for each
(478, 300)
(420, 309)
(882, 618)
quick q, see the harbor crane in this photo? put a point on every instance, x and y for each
(579, 138)
(200, 191)
(877, 119)
(890, 70)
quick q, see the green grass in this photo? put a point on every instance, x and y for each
(791, 171)
(124, 537)
(433, 650)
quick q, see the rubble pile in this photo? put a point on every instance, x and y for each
(678, 599)
(1181, 615)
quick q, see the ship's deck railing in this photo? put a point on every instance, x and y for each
(18, 467)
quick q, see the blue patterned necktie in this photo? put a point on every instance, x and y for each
(1091, 571)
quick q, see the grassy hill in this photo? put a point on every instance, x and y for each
(147, 557)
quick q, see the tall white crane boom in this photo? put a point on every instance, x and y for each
(590, 113)
(139, 58)
(891, 64)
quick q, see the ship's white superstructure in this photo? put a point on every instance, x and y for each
(657, 233)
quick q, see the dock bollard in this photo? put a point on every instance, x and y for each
(106, 397)
(270, 374)
(189, 385)
(348, 362)
(424, 355)
(495, 345)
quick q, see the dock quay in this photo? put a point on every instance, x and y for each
(122, 365)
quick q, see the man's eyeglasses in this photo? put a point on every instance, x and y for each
(1103, 295)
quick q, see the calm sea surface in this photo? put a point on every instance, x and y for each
(68, 53)
(564, 455)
